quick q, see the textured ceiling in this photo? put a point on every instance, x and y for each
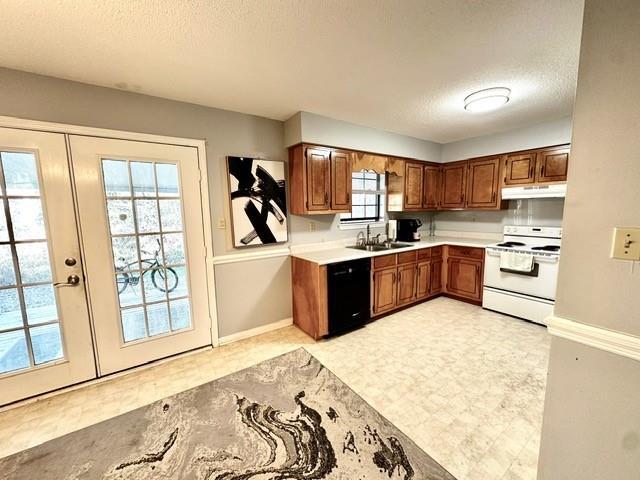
(399, 65)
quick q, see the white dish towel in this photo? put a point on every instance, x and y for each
(520, 262)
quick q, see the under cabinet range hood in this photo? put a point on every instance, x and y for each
(535, 191)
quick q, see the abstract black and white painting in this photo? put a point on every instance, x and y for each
(258, 201)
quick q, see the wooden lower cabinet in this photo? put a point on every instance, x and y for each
(464, 278)
(423, 280)
(384, 290)
(435, 285)
(406, 284)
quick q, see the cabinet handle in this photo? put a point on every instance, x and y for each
(493, 196)
(399, 277)
(326, 198)
(348, 198)
(531, 171)
(393, 278)
(542, 171)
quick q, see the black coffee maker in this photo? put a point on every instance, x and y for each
(408, 229)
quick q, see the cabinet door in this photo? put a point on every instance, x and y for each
(464, 278)
(454, 179)
(318, 179)
(340, 181)
(384, 290)
(430, 188)
(552, 165)
(406, 284)
(413, 186)
(520, 168)
(423, 280)
(436, 277)
(482, 183)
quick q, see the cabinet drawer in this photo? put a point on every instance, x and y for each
(384, 261)
(466, 252)
(436, 252)
(424, 254)
(407, 257)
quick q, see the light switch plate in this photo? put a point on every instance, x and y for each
(626, 243)
(222, 224)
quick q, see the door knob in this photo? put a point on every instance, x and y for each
(72, 281)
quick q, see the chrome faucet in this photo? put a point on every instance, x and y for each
(360, 239)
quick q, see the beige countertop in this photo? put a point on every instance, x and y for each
(342, 254)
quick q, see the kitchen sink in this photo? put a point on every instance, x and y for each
(380, 247)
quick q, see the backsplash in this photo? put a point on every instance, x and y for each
(539, 212)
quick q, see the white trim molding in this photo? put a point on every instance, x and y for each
(251, 255)
(234, 337)
(611, 341)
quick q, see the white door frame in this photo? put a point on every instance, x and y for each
(200, 145)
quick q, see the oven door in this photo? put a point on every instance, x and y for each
(540, 283)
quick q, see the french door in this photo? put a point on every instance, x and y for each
(102, 258)
(142, 230)
(45, 334)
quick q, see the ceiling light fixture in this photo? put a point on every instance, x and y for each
(487, 99)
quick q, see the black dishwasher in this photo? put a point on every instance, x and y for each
(348, 287)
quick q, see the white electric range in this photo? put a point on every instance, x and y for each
(528, 295)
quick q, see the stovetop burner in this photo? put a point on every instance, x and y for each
(511, 244)
(547, 248)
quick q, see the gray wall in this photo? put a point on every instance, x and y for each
(555, 132)
(592, 420)
(312, 128)
(226, 133)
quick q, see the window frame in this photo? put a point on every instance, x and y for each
(380, 192)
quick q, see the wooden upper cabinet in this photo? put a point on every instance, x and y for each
(552, 165)
(318, 179)
(384, 290)
(520, 168)
(482, 183)
(413, 186)
(340, 180)
(452, 186)
(430, 187)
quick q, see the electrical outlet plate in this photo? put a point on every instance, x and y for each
(222, 224)
(626, 243)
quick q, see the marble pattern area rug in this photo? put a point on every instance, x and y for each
(285, 418)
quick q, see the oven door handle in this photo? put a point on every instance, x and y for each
(532, 273)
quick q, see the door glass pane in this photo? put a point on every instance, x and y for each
(148, 245)
(167, 175)
(13, 351)
(133, 324)
(158, 315)
(25, 267)
(116, 178)
(33, 259)
(170, 215)
(4, 233)
(143, 179)
(120, 217)
(20, 174)
(147, 215)
(47, 344)
(125, 253)
(7, 273)
(41, 304)
(10, 313)
(27, 218)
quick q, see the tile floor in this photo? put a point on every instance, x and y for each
(467, 385)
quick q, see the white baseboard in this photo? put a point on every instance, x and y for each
(619, 343)
(234, 337)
